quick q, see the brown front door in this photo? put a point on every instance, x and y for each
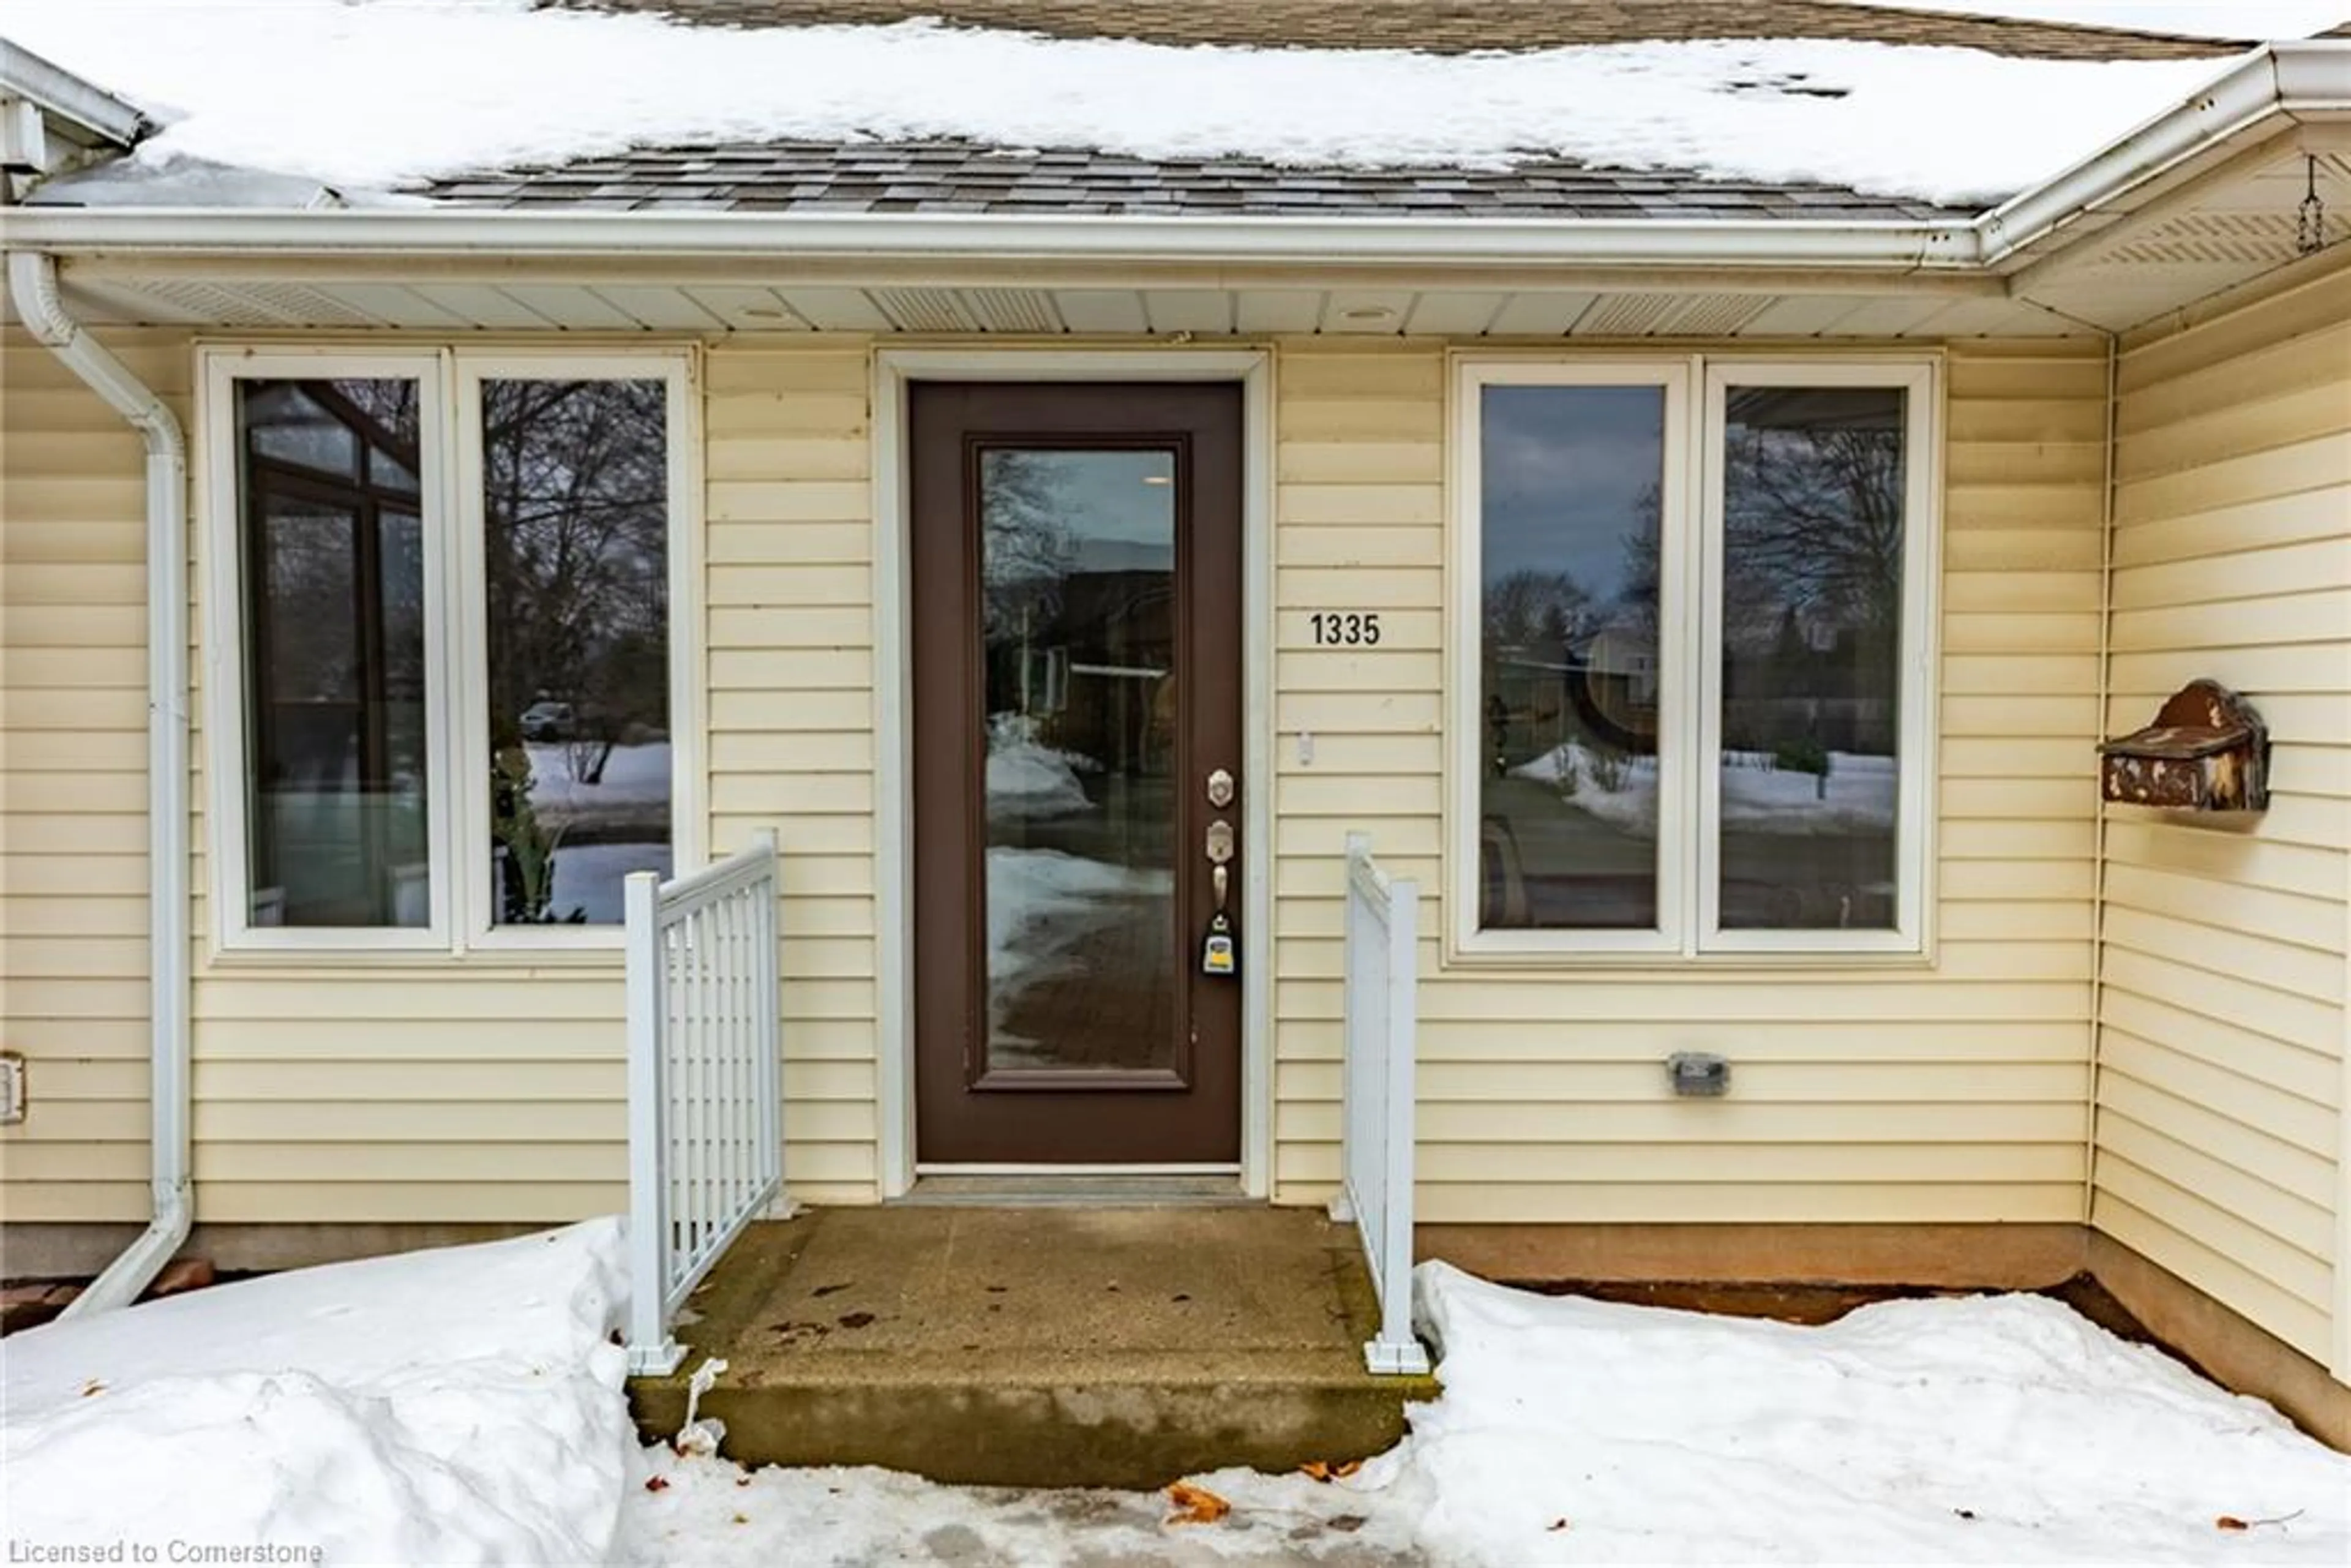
(1077, 714)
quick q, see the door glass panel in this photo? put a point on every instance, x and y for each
(1812, 639)
(1078, 632)
(1570, 481)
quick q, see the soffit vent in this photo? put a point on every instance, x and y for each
(1625, 315)
(2201, 239)
(185, 300)
(1717, 315)
(924, 309)
(1013, 309)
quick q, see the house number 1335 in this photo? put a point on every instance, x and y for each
(1351, 629)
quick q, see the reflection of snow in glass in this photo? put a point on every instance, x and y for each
(633, 775)
(1041, 903)
(1758, 795)
(588, 876)
(1028, 780)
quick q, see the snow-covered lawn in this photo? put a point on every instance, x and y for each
(1757, 795)
(466, 1406)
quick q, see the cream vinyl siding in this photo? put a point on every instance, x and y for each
(2221, 1026)
(491, 1089)
(73, 780)
(1954, 1091)
(494, 1088)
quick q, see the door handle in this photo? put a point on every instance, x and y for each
(1217, 846)
(1217, 953)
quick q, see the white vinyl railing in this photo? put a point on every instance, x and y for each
(705, 1090)
(1383, 933)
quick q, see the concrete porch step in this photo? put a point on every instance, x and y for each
(1034, 1346)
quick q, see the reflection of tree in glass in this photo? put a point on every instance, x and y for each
(575, 493)
(1813, 525)
(1026, 547)
(1536, 612)
(575, 524)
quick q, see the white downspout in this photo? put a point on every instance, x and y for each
(33, 284)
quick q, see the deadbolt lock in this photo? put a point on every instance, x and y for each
(1220, 789)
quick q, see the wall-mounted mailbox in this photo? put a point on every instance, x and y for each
(2206, 751)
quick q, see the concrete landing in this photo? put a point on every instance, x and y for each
(1039, 1346)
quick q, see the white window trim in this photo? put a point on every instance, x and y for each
(1914, 743)
(227, 757)
(1676, 482)
(470, 593)
(456, 699)
(1689, 929)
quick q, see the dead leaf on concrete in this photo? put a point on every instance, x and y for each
(2230, 1521)
(1195, 1505)
(92, 1387)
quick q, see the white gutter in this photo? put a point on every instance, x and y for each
(444, 232)
(2233, 103)
(32, 285)
(87, 114)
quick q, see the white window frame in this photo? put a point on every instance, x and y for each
(227, 760)
(1676, 481)
(457, 674)
(1690, 535)
(1914, 743)
(473, 750)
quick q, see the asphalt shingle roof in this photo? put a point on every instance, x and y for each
(960, 177)
(1451, 27)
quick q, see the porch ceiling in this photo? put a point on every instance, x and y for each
(1605, 307)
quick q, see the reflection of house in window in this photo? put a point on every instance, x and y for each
(1115, 636)
(335, 646)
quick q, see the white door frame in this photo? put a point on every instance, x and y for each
(894, 370)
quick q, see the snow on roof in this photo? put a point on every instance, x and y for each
(1457, 26)
(400, 92)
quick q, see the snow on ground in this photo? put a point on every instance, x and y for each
(464, 1405)
(455, 1407)
(1757, 795)
(373, 95)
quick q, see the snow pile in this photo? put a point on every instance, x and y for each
(374, 95)
(453, 1406)
(1990, 1428)
(1026, 778)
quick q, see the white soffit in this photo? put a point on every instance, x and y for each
(113, 298)
(2201, 240)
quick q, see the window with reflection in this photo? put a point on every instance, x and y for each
(1694, 590)
(1812, 546)
(1570, 487)
(336, 799)
(575, 531)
